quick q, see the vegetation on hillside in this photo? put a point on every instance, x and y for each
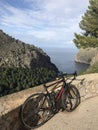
(93, 68)
(89, 25)
(14, 79)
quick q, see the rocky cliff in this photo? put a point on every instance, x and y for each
(16, 53)
(87, 55)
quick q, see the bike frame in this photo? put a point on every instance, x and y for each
(59, 95)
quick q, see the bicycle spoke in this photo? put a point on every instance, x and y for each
(70, 99)
(35, 111)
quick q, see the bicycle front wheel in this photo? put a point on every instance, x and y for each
(70, 98)
(35, 111)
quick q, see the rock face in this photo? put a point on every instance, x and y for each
(16, 53)
(87, 55)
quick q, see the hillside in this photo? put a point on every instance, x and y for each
(16, 53)
(22, 65)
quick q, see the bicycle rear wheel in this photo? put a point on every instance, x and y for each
(35, 111)
(70, 98)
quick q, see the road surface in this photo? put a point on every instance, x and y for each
(85, 117)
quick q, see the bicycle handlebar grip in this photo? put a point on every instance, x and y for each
(75, 73)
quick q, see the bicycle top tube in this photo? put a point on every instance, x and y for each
(61, 79)
(55, 83)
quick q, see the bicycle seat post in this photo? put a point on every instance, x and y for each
(45, 88)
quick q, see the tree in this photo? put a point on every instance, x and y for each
(89, 25)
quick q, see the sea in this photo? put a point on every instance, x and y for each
(64, 59)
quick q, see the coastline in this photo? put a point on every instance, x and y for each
(87, 56)
(64, 59)
(82, 62)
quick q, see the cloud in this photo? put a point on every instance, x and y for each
(46, 20)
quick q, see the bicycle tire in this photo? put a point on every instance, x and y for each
(32, 108)
(70, 98)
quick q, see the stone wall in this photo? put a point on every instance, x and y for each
(87, 85)
(10, 108)
(10, 105)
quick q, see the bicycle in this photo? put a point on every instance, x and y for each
(40, 107)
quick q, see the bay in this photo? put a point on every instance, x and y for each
(64, 59)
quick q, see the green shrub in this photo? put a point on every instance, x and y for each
(93, 68)
(15, 79)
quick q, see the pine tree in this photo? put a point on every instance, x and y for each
(89, 25)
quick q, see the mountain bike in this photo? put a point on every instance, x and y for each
(40, 107)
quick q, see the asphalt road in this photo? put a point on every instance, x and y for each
(85, 117)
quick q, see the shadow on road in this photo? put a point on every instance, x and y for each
(11, 121)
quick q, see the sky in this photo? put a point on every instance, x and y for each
(44, 23)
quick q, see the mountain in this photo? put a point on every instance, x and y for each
(16, 53)
(22, 65)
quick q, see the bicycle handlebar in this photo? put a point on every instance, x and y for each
(61, 74)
